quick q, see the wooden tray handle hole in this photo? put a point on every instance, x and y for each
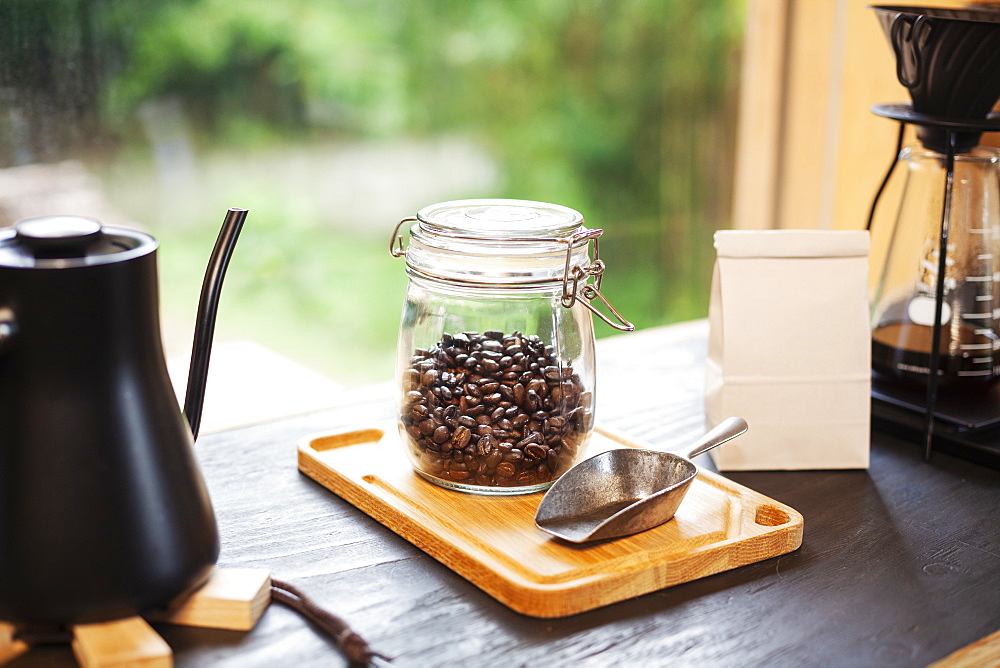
(771, 516)
(350, 438)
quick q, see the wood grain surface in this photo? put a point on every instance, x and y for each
(898, 565)
(492, 540)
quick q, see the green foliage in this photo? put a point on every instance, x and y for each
(622, 109)
(292, 64)
(327, 298)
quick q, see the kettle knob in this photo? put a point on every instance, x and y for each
(64, 236)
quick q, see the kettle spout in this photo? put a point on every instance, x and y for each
(208, 307)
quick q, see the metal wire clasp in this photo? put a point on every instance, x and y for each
(573, 274)
(396, 240)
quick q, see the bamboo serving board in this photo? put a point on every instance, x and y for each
(492, 541)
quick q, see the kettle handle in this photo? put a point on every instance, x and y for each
(8, 328)
(208, 307)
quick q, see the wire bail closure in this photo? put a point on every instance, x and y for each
(572, 275)
(396, 248)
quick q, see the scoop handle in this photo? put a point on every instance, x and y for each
(726, 430)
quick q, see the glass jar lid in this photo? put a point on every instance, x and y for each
(496, 242)
(506, 244)
(506, 219)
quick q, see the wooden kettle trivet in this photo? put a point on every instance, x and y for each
(232, 599)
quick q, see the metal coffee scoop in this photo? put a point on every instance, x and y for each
(625, 491)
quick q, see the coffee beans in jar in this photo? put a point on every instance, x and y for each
(493, 410)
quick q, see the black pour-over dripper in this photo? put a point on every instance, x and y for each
(949, 60)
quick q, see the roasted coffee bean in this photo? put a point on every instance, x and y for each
(535, 451)
(532, 437)
(526, 478)
(461, 437)
(494, 458)
(491, 409)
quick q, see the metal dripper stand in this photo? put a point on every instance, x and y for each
(949, 60)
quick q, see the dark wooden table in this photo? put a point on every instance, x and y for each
(900, 564)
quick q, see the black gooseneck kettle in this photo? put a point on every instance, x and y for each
(103, 511)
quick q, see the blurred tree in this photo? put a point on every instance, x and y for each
(624, 110)
(52, 68)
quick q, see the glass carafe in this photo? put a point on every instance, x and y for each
(495, 367)
(904, 306)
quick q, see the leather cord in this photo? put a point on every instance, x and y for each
(354, 647)
(350, 643)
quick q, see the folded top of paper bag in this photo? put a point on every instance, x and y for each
(791, 243)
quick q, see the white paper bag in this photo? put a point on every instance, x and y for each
(790, 349)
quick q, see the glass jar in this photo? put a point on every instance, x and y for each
(495, 365)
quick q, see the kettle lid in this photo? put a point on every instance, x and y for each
(69, 241)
